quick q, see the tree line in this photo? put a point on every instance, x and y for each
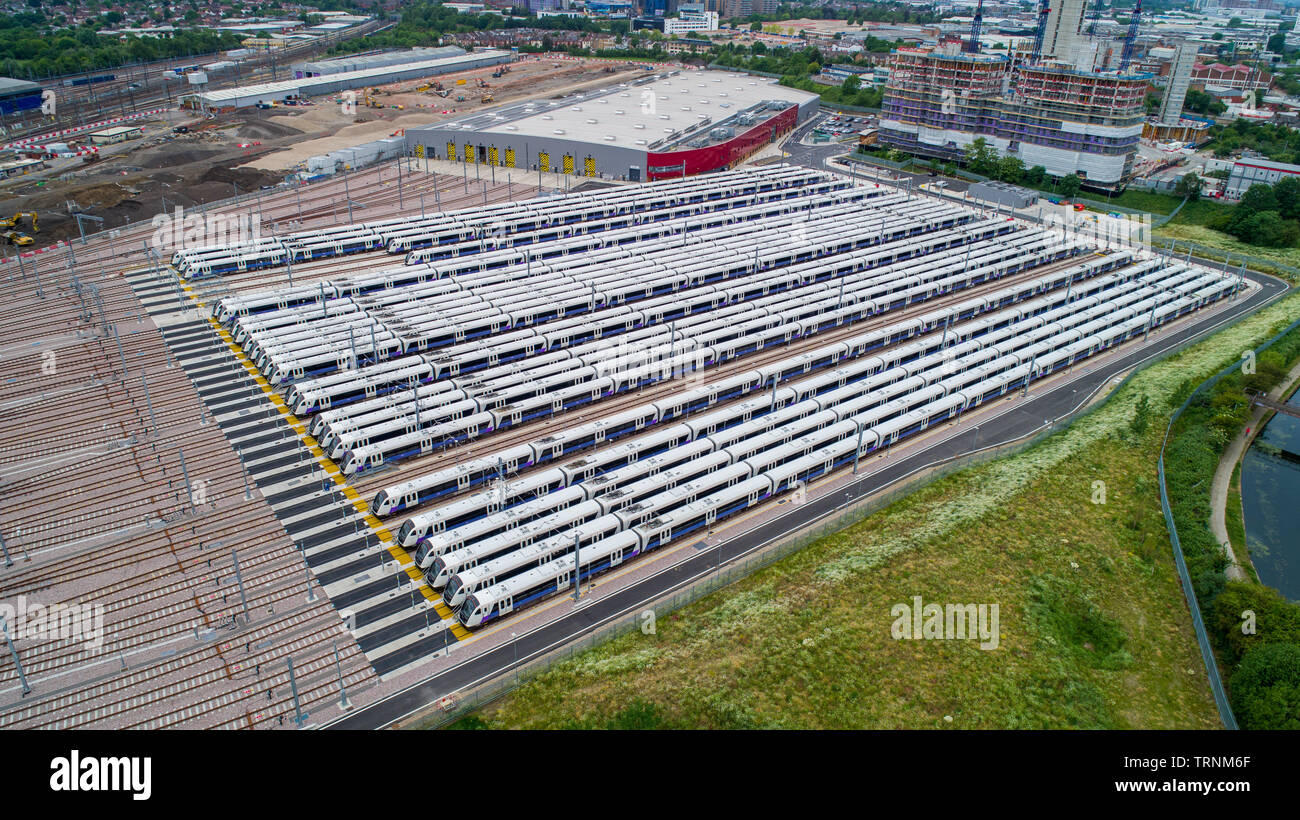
(1266, 215)
(982, 158)
(32, 48)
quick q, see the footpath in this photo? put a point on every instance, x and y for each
(1223, 475)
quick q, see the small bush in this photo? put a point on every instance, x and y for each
(1266, 688)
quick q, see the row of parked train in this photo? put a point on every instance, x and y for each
(712, 341)
(526, 315)
(426, 356)
(743, 455)
(571, 317)
(518, 391)
(479, 228)
(858, 384)
(430, 315)
(637, 346)
(1076, 282)
(534, 260)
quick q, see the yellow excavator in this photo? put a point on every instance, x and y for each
(13, 221)
(17, 237)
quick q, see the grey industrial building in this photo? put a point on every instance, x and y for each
(1003, 193)
(339, 65)
(1251, 171)
(18, 95)
(677, 123)
(246, 95)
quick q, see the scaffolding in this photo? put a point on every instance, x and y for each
(937, 101)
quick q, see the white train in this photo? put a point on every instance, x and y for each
(490, 591)
(420, 490)
(850, 388)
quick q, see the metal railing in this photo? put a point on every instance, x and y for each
(1255, 262)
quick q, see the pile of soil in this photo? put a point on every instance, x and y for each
(173, 154)
(247, 179)
(265, 130)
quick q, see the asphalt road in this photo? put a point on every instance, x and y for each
(1026, 418)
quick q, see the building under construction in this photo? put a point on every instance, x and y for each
(1048, 112)
(1170, 124)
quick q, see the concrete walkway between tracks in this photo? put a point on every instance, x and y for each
(1223, 475)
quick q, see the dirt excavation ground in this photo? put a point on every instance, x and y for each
(134, 181)
(542, 79)
(249, 149)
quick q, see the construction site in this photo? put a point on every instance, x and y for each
(187, 158)
(1063, 108)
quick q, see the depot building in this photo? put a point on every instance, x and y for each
(662, 125)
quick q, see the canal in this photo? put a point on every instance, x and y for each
(1270, 499)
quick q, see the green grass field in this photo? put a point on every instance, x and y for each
(1224, 242)
(1095, 632)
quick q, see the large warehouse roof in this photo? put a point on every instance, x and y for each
(651, 114)
(309, 86)
(382, 60)
(10, 87)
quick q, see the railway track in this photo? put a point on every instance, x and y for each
(125, 533)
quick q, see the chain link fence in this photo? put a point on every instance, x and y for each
(1258, 263)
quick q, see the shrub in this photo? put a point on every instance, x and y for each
(1266, 688)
